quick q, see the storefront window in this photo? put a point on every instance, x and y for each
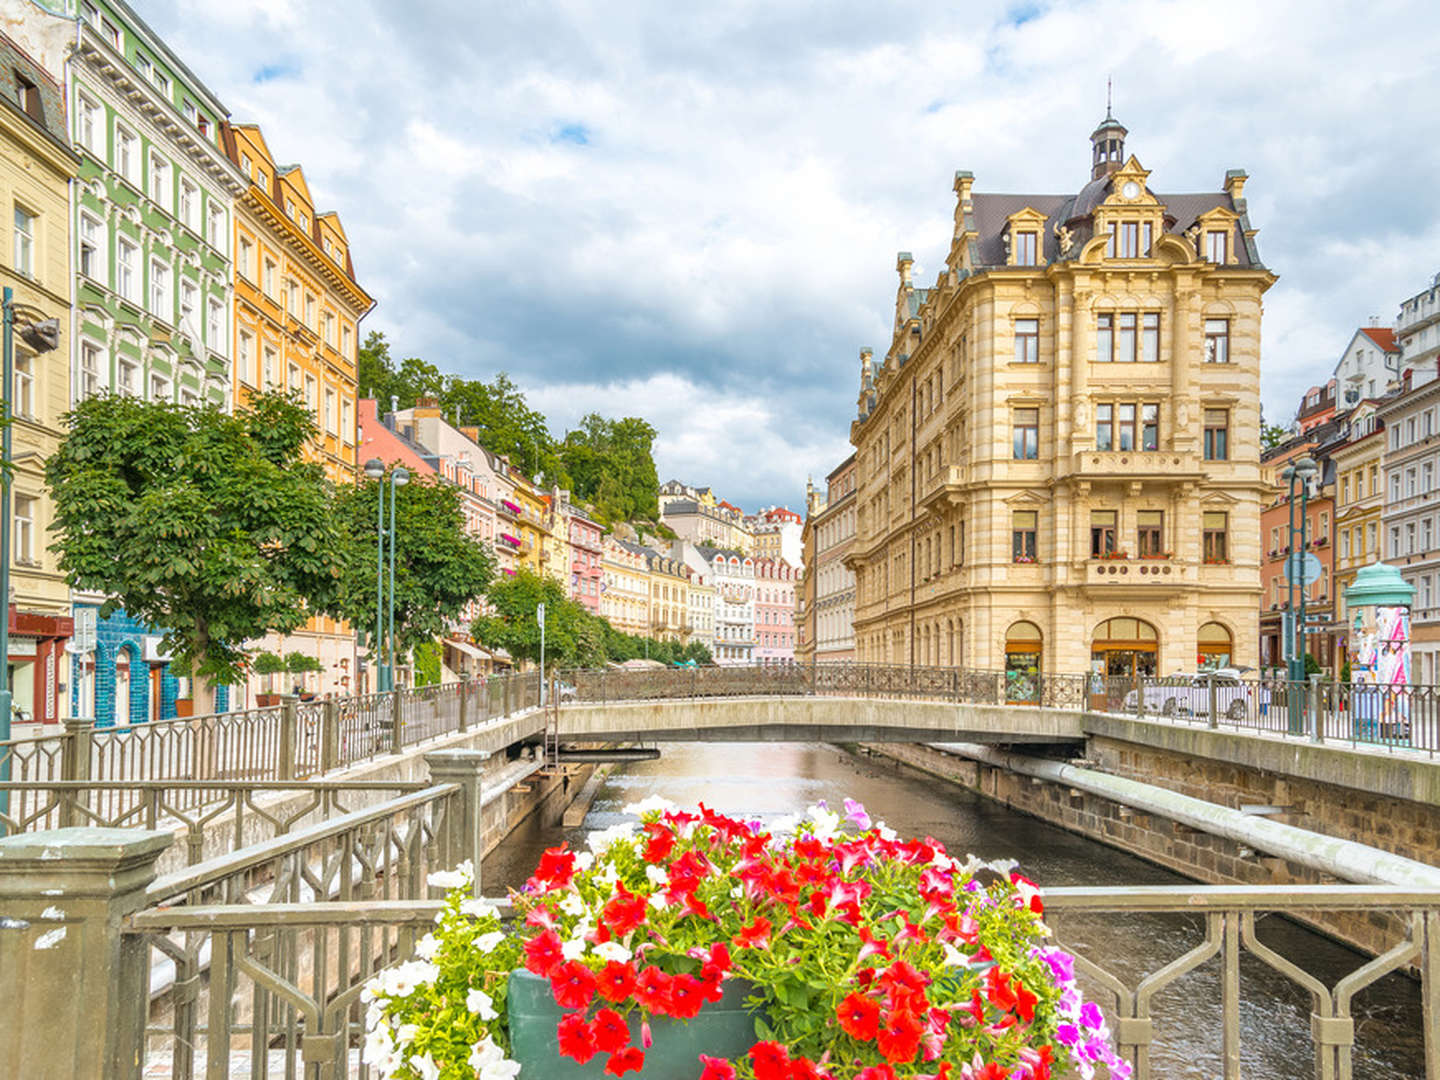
(1023, 648)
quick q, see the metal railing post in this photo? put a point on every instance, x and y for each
(1213, 704)
(330, 736)
(1139, 697)
(466, 839)
(1315, 708)
(67, 893)
(463, 705)
(397, 721)
(285, 763)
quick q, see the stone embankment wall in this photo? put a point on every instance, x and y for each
(1207, 858)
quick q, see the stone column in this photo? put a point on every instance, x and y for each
(76, 987)
(466, 827)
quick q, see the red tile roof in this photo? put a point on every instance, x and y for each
(1382, 336)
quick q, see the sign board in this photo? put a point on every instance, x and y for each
(540, 614)
(1303, 568)
(85, 627)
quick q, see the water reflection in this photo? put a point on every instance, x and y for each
(769, 780)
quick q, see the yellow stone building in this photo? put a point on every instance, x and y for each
(625, 580)
(296, 318)
(670, 618)
(1359, 498)
(36, 165)
(1058, 456)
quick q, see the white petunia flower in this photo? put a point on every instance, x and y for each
(657, 901)
(826, 821)
(491, 941)
(478, 908)
(379, 1043)
(461, 876)
(656, 875)
(504, 1069)
(612, 950)
(783, 826)
(572, 904)
(481, 1004)
(573, 949)
(886, 833)
(653, 803)
(405, 1034)
(484, 1053)
(425, 1065)
(583, 861)
(427, 947)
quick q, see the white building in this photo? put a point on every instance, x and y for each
(1417, 330)
(1367, 367)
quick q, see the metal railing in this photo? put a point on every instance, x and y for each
(308, 1016)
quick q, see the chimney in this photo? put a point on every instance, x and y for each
(471, 433)
(1235, 186)
(964, 181)
(394, 403)
(427, 407)
(903, 262)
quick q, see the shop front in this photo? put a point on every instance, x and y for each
(36, 665)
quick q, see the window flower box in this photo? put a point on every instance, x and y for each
(1217, 562)
(1024, 558)
(643, 953)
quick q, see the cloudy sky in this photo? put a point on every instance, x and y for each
(690, 212)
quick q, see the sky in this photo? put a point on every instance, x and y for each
(690, 213)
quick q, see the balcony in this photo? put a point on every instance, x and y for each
(1130, 574)
(944, 489)
(1136, 465)
(509, 510)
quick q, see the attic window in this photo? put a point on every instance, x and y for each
(1025, 249)
(27, 95)
(1217, 247)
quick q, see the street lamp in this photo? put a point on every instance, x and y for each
(1297, 474)
(40, 337)
(384, 658)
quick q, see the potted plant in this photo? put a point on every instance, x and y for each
(692, 944)
(298, 663)
(269, 665)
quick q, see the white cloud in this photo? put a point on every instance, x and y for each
(595, 197)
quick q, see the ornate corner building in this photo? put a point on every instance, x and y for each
(1058, 457)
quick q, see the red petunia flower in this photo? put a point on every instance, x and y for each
(756, 934)
(610, 1030)
(993, 1072)
(616, 981)
(720, 956)
(542, 954)
(770, 1060)
(998, 990)
(652, 990)
(802, 1068)
(557, 867)
(573, 985)
(577, 1039)
(899, 1037)
(1024, 1002)
(687, 994)
(859, 1017)
(624, 912)
(876, 1072)
(716, 1068)
(660, 844)
(632, 1058)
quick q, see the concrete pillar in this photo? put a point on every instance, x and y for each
(75, 765)
(289, 706)
(76, 988)
(466, 838)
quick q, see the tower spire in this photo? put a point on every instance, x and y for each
(1108, 115)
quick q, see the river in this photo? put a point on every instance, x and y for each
(768, 780)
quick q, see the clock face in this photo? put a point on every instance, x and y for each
(1130, 190)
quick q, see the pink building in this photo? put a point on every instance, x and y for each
(775, 582)
(586, 549)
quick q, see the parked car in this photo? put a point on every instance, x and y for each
(1188, 694)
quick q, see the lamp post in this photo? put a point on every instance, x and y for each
(1297, 474)
(384, 622)
(40, 337)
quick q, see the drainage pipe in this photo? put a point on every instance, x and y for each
(1344, 859)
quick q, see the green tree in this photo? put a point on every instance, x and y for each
(439, 568)
(610, 463)
(1272, 435)
(207, 526)
(381, 377)
(513, 627)
(507, 423)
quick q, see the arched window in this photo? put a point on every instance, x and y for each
(1124, 648)
(1214, 646)
(1023, 651)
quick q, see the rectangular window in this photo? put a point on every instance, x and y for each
(24, 242)
(127, 154)
(329, 411)
(246, 165)
(1425, 536)
(1129, 239)
(1409, 483)
(160, 388)
(162, 82)
(1102, 533)
(160, 303)
(160, 180)
(23, 386)
(189, 204)
(215, 327)
(1427, 476)
(1104, 427)
(1216, 529)
(269, 284)
(1217, 341)
(1344, 489)
(1150, 338)
(189, 112)
(189, 294)
(111, 32)
(1410, 430)
(1105, 338)
(1395, 487)
(1025, 249)
(90, 125)
(24, 529)
(92, 246)
(345, 340)
(1371, 539)
(1027, 341)
(1110, 243)
(1125, 427)
(310, 311)
(1023, 527)
(1345, 543)
(243, 347)
(1410, 538)
(271, 361)
(1217, 435)
(1145, 231)
(1149, 533)
(310, 393)
(1322, 528)
(245, 264)
(347, 422)
(89, 369)
(1125, 342)
(127, 377)
(216, 234)
(1216, 246)
(1026, 434)
(1150, 427)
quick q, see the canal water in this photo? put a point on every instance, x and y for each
(770, 780)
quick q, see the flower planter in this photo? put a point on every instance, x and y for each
(723, 1029)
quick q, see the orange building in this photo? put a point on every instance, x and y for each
(297, 314)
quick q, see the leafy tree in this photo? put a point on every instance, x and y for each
(207, 526)
(1272, 435)
(439, 568)
(427, 663)
(381, 377)
(507, 423)
(298, 663)
(513, 627)
(610, 464)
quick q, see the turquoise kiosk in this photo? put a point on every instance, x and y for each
(1379, 648)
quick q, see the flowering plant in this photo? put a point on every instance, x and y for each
(869, 958)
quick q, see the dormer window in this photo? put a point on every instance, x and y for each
(1217, 248)
(1026, 248)
(1129, 239)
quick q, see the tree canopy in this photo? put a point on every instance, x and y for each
(439, 568)
(207, 526)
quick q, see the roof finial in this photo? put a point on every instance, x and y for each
(1107, 98)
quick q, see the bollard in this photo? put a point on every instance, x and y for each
(285, 767)
(466, 829)
(1314, 708)
(330, 736)
(77, 986)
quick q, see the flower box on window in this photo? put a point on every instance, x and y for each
(1209, 561)
(1024, 558)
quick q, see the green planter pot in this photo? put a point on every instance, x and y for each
(724, 1028)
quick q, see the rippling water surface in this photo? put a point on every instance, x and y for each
(768, 780)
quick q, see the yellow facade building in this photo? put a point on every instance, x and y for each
(625, 581)
(36, 165)
(296, 318)
(1058, 457)
(1359, 497)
